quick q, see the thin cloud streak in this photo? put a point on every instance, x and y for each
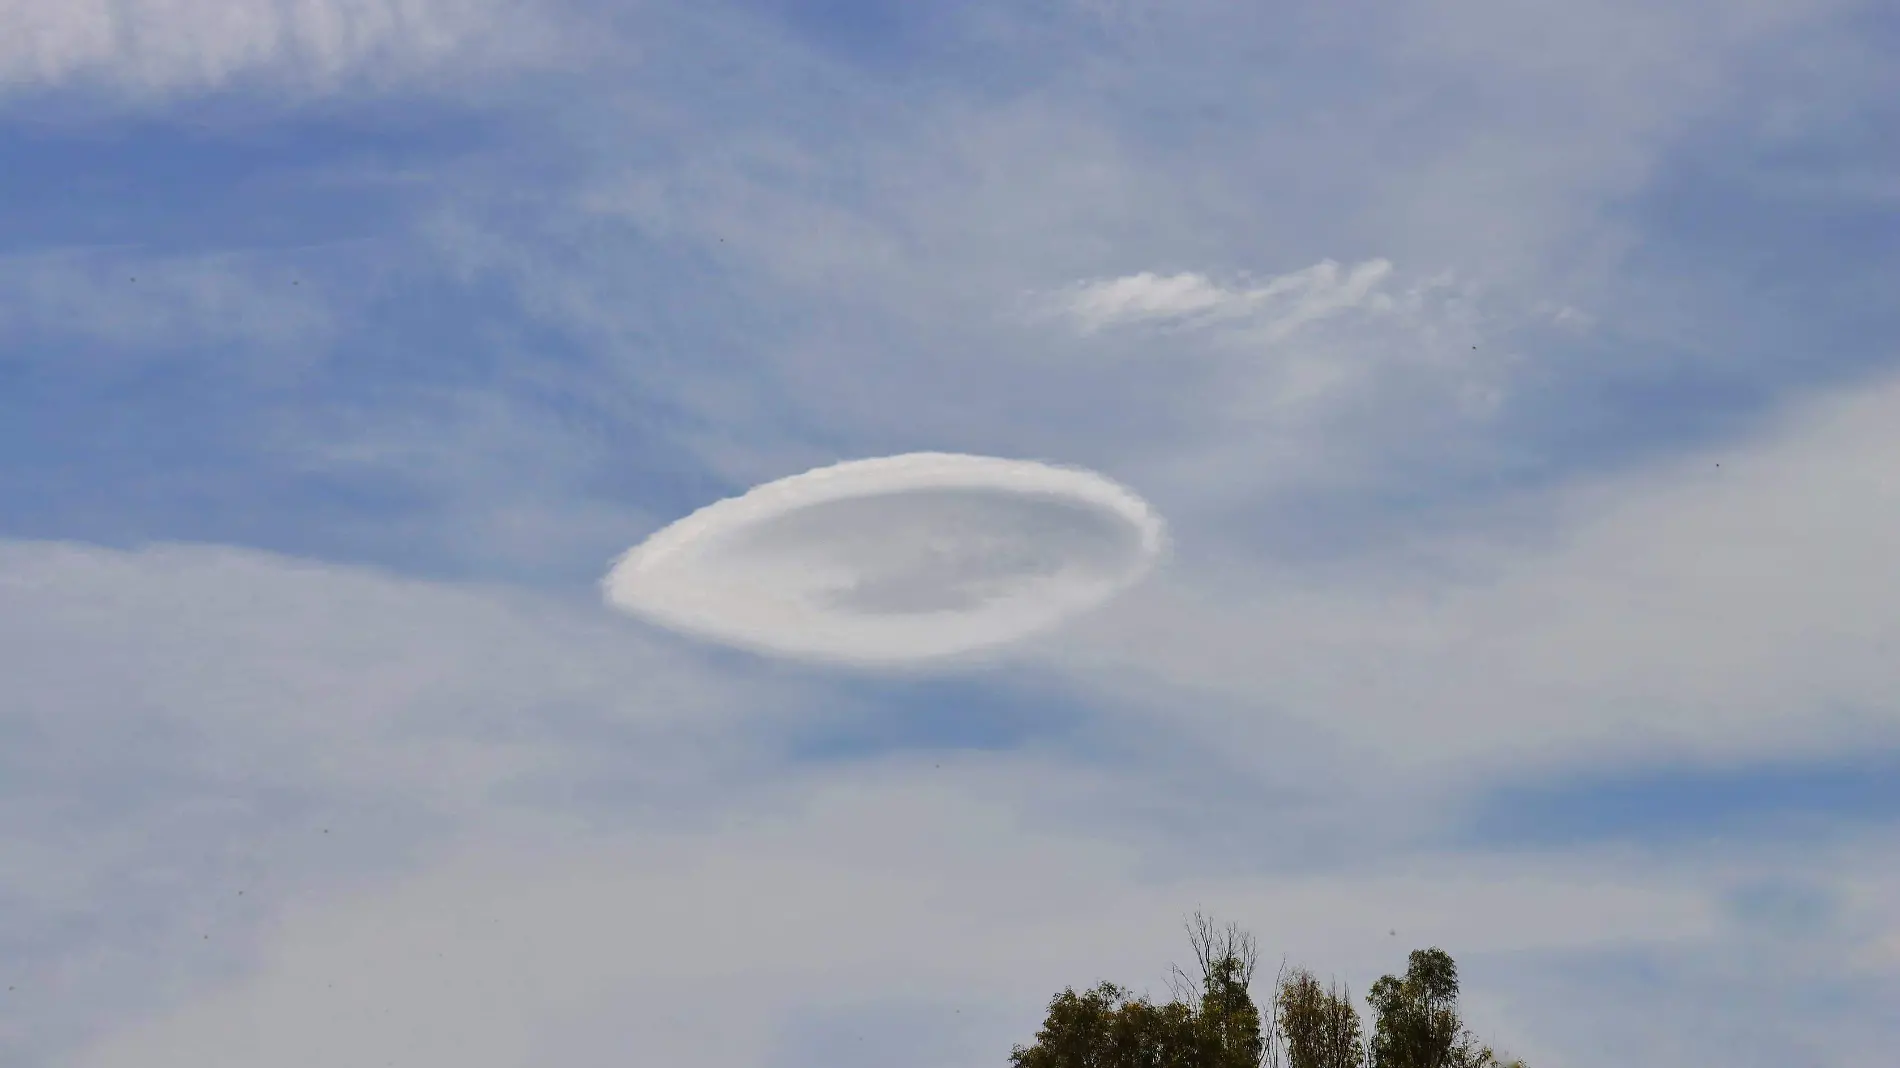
(1279, 306)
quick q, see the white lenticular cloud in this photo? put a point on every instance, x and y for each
(893, 560)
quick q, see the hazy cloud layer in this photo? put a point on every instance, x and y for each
(167, 47)
(1426, 326)
(872, 890)
(132, 308)
(1730, 605)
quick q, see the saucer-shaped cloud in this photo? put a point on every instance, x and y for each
(893, 560)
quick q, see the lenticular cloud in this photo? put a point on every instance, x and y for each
(893, 560)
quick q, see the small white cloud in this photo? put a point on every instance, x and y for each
(891, 560)
(1145, 296)
(1281, 304)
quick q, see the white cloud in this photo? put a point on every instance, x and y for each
(1639, 633)
(540, 945)
(1733, 604)
(852, 239)
(522, 924)
(1276, 308)
(184, 723)
(1317, 377)
(1145, 296)
(893, 560)
(342, 676)
(173, 46)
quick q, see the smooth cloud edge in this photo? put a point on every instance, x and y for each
(620, 587)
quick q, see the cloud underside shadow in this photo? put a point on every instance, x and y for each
(893, 561)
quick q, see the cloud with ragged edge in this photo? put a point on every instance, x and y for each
(1288, 375)
(895, 560)
(1284, 303)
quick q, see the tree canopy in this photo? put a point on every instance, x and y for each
(1215, 1026)
(1214, 1022)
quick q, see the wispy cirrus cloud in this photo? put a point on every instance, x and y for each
(165, 47)
(139, 306)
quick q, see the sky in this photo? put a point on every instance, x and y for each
(1519, 382)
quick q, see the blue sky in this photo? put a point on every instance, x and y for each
(1530, 594)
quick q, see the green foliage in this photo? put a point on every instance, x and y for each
(1107, 1027)
(1214, 1023)
(1416, 1018)
(1321, 1027)
(1229, 1021)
